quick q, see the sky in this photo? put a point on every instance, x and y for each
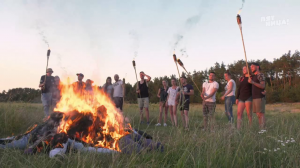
(100, 38)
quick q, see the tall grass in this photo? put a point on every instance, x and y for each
(225, 147)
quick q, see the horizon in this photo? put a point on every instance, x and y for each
(100, 38)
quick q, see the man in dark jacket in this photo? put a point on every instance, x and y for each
(47, 83)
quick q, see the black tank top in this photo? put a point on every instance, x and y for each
(143, 90)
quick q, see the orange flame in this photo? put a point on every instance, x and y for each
(88, 102)
(239, 11)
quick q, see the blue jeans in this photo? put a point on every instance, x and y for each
(229, 101)
(46, 100)
(17, 144)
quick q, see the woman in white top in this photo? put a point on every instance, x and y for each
(229, 96)
(172, 92)
(108, 87)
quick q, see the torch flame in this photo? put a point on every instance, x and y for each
(239, 11)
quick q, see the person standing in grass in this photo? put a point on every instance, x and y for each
(108, 87)
(118, 92)
(143, 95)
(258, 88)
(163, 104)
(209, 90)
(244, 98)
(79, 86)
(172, 92)
(229, 96)
(186, 92)
(47, 83)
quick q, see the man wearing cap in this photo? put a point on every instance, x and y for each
(186, 92)
(258, 87)
(47, 83)
(79, 86)
(118, 92)
(143, 95)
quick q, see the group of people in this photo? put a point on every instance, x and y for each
(250, 95)
(50, 88)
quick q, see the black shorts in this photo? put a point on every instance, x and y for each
(185, 105)
(119, 102)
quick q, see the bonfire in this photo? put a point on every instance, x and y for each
(84, 120)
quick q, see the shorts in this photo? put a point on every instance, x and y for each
(119, 102)
(185, 105)
(248, 100)
(143, 102)
(163, 103)
(171, 103)
(259, 105)
(209, 108)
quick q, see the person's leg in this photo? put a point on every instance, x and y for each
(160, 111)
(211, 114)
(227, 108)
(182, 117)
(232, 100)
(240, 110)
(171, 114)
(262, 113)
(49, 99)
(248, 105)
(166, 113)
(205, 117)
(175, 114)
(140, 102)
(146, 105)
(121, 103)
(186, 116)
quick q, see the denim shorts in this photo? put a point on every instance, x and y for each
(248, 100)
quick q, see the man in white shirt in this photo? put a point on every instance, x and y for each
(118, 92)
(208, 95)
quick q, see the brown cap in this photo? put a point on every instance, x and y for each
(80, 74)
(49, 70)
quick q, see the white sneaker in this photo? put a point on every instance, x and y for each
(165, 124)
(158, 124)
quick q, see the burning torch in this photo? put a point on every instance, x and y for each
(48, 55)
(175, 60)
(181, 64)
(137, 82)
(239, 21)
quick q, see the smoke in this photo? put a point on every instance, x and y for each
(183, 53)
(41, 33)
(135, 44)
(243, 1)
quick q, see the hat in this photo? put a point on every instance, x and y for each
(49, 70)
(183, 76)
(256, 64)
(80, 74)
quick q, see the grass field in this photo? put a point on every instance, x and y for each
(226, 147)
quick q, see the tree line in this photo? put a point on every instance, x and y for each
(282, 81)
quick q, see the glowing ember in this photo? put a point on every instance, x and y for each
(90, 116)
(239, 11)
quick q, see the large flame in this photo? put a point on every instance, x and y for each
(87, 102)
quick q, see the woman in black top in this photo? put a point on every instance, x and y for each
(244, 98)
(163, 105)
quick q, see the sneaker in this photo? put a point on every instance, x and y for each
(165, 124)
(142, 122)
(158, 124)
(148, 123)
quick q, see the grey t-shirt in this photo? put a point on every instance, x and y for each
(108, 90)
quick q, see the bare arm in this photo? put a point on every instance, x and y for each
(148, 78)
(211, 94)
(190, 93)
(229, 89)
(260, 85)
(202, 94)
(158, 94)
